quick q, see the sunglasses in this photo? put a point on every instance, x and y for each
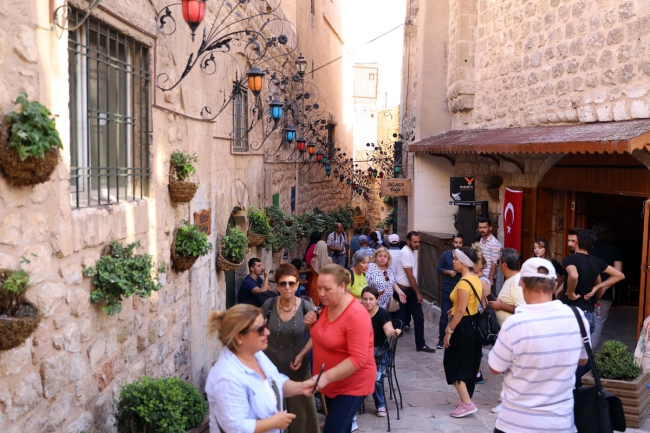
(288, 283)
(386, 276)
(260, 330)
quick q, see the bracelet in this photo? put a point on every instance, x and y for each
(449, 330)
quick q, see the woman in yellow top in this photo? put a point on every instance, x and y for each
(462, 350)
(360, 262)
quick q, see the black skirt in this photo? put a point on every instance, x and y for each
(463, 357)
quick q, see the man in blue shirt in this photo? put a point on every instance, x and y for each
(253, 283)
(449, 280)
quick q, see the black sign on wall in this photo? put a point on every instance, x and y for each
(462, 188)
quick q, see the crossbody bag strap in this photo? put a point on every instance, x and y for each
(475, 294)
(590, 353)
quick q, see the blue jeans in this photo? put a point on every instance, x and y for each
(338, 260)
(445, 306)
(340, 411)
(381, 359)
(591, 318)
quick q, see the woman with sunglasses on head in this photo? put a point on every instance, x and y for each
(285, 317)
(342, 339)
(244, 388)
(382, 328)
(381, 277)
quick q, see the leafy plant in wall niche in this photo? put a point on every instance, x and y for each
(120, 274)
(233, 251)
(181, 167)
(28, 148)
(18, 317)
(259, 226)
(189, 244)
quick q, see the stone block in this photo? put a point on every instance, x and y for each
(111, 342)
(60, 319)
(78, 367)
(10, 233)
(624, 73)
(143, 342)
(109, 370)
(96, 350)
(592, 79)
(126, 330)
(639, 110)
(153, 331)
(589, 62)
(562, 50)
(624, 53)
(87, 328)
(28, 393)
(103, 413)
(136, 371)
(636, 91)
(595, 41)
(57, 341)
(578, 8)
(130, 350)
(25, 43)
(58, 412)
(606, 59)
(86, 389)
(40, 343)
(626, 10)
(35, 228)
(82, 423)
(577, 47)
(571, 115)
(41, 192)
(78, 298)
(605, 113)
(39, 266)
(616, 36)
(13, 361)
(49, 297)
(72, 338)
(71, 272)
(55, 374)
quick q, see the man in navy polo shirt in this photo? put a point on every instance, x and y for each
(449, 280)
(253, 283)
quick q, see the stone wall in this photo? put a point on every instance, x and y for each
(559, 61)
(66, 377)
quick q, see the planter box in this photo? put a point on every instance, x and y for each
(634, 395)
(203, 428)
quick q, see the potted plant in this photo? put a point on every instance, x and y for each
(492, 184)
(159, 405)
(623, 378)
(234, 247)
(19, 318)
(28, 144)
(181, 167)
(388, 200)
(120, 273)
(188, 245)
(259, 227)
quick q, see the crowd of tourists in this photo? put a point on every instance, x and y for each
(318, 339)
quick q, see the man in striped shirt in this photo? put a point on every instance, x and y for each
(538, 349)
(491, 248)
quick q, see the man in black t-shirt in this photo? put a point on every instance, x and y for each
(584, 287)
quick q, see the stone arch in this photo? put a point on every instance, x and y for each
(234, 203)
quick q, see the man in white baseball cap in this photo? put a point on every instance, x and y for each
(544, 337)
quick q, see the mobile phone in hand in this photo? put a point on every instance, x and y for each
(491, 297)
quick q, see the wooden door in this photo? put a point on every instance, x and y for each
(644, 279)
(528, 216)
(544, 211)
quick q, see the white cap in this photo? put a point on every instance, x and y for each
(393, 239)
(531, 267)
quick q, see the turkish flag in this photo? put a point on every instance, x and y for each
(512, 219)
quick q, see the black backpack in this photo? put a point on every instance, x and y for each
(486, 328)
(261, 297)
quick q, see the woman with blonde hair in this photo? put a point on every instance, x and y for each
(381, 277)
(244, 388)
(319, 259)
(342, 339)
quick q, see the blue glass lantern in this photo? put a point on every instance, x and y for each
(327, 167)
(275, 107)
(290, 133)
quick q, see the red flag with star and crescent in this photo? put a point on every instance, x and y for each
(512, 219)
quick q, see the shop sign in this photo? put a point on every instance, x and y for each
(396, 187)
(203, 219)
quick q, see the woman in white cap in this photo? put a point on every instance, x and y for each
(462, 350)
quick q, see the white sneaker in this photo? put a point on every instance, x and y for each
(496, 409)
(355, 426)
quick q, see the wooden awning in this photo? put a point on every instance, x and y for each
(609, 137)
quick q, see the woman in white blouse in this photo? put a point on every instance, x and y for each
(381, 277)
(244, 388)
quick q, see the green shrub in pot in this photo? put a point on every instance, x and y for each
(615, 362)
(234, 246)
(258, 221)
(191, 241)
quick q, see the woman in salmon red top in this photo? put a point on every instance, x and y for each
(342, 339)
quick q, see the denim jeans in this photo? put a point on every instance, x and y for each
(338, 260)
(340, 412)
(414, 309)
(591, 318)
(445, 306)
(605, 305)
(381, 359)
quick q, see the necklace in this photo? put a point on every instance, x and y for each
(290, 308)
(293, 328)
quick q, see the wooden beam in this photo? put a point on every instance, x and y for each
(447, 157)
(519, 165)
(492, 157)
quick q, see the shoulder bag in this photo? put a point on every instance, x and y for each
(486, 327)
(595, 410)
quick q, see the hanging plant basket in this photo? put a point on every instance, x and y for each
(225, 265)
(181, 263)
(30, 171)
(14, 330)
(493, 193)
(182, 191)
(255, 239)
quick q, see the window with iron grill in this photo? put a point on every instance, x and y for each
(109, 82)
(240, 120)
(293, 199)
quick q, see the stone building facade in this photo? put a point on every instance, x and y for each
(66, 377)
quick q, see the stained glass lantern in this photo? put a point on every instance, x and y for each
(276, 108)
(255, 80)
(193, 13)
(290, 134)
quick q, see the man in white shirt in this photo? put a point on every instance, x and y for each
(491, 248)
(538, 349)
(406, 278)
(511, 295)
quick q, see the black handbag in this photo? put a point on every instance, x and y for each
(595, 410)
(486, 328)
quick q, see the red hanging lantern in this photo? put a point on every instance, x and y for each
(319, 156)
(381, 175)
(353, 185)
(301, 144)
(193, 13)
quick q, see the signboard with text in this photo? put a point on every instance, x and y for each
(203, 219)
(396, 187)
(462, 188)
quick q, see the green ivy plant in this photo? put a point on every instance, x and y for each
(183, 164)
(191, 241)
(121, 274)
(33, 130)
(258, 221)
(615, 362)
(12, 290)
(168, 405)
(234, 246)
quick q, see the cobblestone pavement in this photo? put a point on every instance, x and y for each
(428, 399)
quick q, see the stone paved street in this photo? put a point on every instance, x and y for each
(428, 399)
